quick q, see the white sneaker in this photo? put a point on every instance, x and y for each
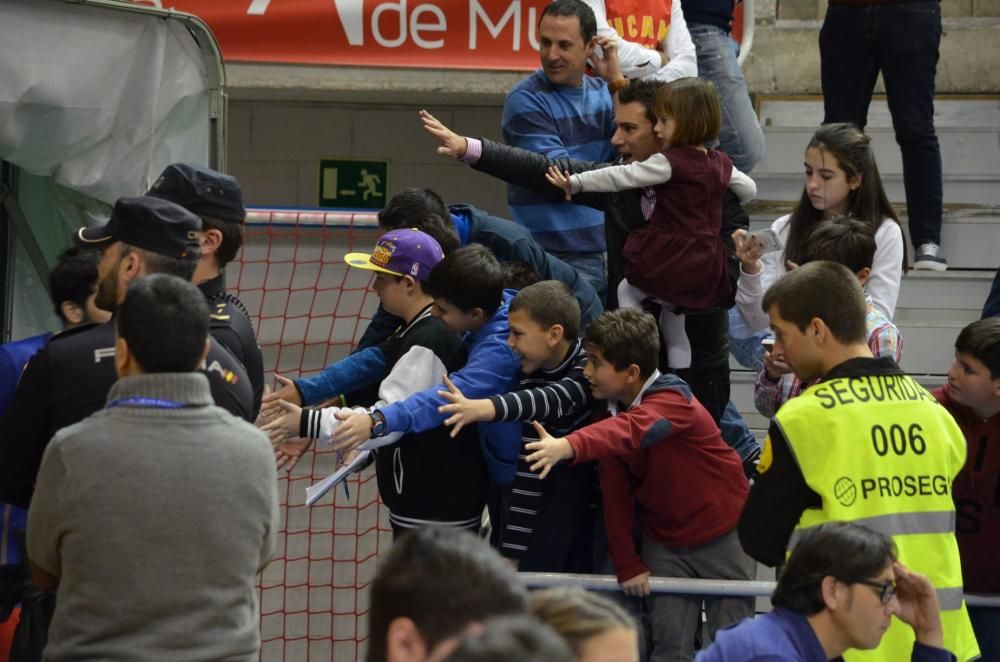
(927, 258)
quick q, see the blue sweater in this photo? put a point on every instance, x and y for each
(491, 369)
(784, 635)
(559, 121)
(13, 357)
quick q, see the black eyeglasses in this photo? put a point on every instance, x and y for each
(886, 589)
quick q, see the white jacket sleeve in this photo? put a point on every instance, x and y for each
(749, 294)
(744, 187)
(328, 421)
(417, 370)
(750, 289)
(887, 267)
(636, 61)
(679, 47)
(653, 171)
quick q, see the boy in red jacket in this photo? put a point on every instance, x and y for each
(658, 447)
(972, 395)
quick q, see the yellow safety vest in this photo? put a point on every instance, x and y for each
(880, 451)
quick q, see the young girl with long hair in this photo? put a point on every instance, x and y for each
(677, 258)
(842, 178)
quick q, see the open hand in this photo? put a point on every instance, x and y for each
(559, 180)
(285, 425)
(269, 407)
(452, 144)
(355, 429)
(463, 411)
(288, 453)
(547, 451)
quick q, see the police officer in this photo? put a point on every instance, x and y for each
(69, 379)
(866, 444)
(218, 200)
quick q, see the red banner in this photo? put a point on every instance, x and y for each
(446, 34)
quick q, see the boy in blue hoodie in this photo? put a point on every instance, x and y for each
(467, 286)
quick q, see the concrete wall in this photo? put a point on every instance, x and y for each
(275, 148)
(284, 118)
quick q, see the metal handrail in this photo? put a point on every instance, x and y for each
(746, 39)
(685, 586)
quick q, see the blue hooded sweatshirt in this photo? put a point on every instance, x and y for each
(490, 370)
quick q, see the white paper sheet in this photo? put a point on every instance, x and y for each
(315, 492)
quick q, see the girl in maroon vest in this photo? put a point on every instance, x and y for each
(677, 258)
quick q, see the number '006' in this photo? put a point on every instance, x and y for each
(898, 440)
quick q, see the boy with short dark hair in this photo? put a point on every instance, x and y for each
(972, 396)
(849, 242)
(659, 447)
(467, 286)
(423, 477)
(547, 523)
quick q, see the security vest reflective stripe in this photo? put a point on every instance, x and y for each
(880, 451)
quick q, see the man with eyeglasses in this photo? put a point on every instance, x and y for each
(839, 591)
(865, 444)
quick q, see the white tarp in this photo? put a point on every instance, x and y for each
(100, 100)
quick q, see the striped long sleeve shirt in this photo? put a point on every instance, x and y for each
(561, 400)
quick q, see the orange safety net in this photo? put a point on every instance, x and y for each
(308, 308)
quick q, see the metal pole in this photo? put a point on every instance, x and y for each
(685, 586)
(749, 20)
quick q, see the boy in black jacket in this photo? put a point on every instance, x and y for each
(426, 477)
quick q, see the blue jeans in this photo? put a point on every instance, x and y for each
(992, 306)
(592, 266)
(741, 136)
(901, 40)
(737, 434)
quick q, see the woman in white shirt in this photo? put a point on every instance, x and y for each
(841, 178)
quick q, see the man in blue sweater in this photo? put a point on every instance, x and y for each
(561, 112)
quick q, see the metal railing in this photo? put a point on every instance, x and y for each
(683, 586)
(746, 40)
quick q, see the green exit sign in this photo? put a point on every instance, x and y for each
(353, 184)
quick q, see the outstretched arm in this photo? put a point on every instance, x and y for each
(653, 171)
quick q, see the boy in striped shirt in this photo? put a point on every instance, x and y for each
(547, 525)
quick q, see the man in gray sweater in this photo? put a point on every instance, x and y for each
(152, 518)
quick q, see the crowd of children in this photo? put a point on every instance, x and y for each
(591, 453)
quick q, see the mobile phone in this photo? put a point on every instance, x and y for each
(768, 344)
(767, 239)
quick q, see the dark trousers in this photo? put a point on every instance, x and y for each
(900, 40)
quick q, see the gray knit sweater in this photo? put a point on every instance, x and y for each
(156, 521)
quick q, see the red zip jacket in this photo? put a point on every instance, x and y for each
(665, 452)
(977, 496)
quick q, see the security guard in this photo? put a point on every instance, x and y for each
(866, 444)
(69, 379)
(218, 200)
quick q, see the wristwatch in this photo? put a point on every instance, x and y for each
(378, 424)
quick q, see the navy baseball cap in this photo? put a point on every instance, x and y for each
(201, 190)
(400, 252)
(153, 224)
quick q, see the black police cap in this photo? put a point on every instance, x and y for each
(153, 224)
(202, 191)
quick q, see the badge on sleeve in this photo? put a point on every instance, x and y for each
(766, 456)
